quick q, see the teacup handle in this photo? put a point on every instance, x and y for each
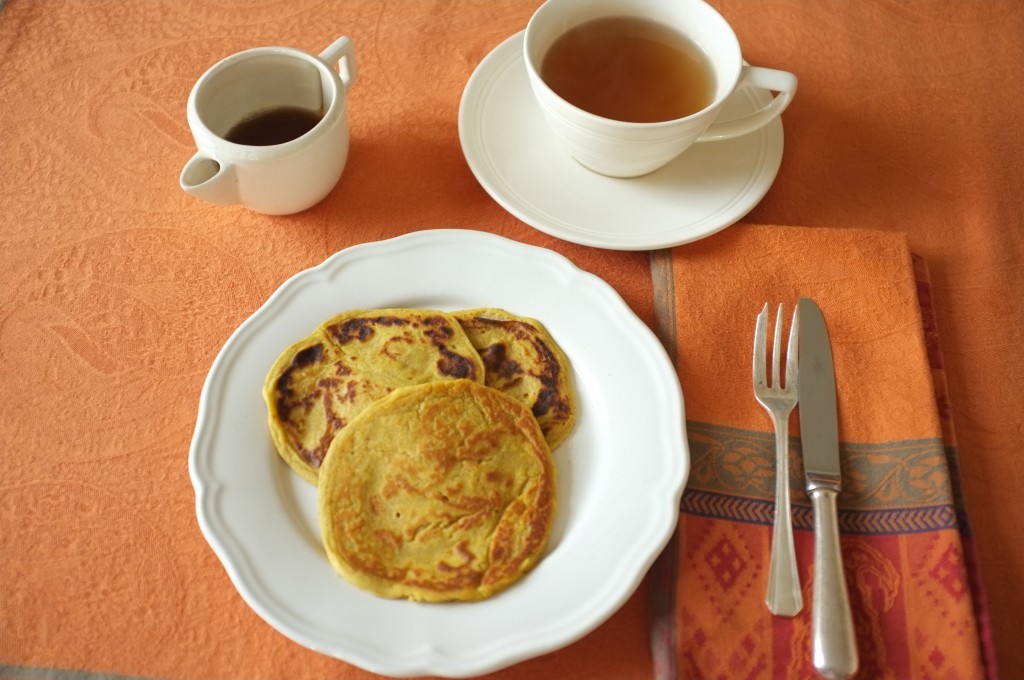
(343, 53)
(782, 82)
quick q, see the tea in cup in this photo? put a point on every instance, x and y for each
(271, 125)
(628, 85)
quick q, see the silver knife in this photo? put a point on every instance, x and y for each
(833, 640)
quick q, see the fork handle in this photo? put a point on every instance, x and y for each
(784, 597)
(833, 641)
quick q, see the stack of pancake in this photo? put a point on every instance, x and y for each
(429, 437)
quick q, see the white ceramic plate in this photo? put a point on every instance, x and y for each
(520, 163)
(620, 473)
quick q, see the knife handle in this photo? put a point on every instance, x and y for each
(834, 642)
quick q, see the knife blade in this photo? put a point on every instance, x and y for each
(833, 641)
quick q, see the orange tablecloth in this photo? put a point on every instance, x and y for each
(118, 289)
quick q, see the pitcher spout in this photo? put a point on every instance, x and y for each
(210, 180)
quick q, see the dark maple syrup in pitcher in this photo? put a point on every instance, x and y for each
(273, 126)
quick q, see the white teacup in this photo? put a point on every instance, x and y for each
(276, 179)
(627, 149)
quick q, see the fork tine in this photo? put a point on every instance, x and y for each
(791, 351)
(777, 349)
(760, 343)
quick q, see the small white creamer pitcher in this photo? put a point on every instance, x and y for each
(275, 179)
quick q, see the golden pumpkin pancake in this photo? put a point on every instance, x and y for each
(319, 384)
(522, 360)
(439, 492)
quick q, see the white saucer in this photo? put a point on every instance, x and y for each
(520, 163)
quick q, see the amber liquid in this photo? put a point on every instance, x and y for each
(629, 69)
(274, 126)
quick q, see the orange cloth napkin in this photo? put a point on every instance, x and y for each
(917, 609)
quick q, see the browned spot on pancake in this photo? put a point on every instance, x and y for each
(386, 350)
(361, 328)
(548, 373)
(308, 356)
(327, 394)
(461, 563)
(285, 394)
(334, 423)
(455, 365)
(438, 329)
(350, 391)
(463, 556)
(390, 538)
(496, 362)
(451, 364)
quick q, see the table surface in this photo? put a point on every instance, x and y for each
(119, 289)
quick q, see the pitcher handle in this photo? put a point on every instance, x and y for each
(343, 53)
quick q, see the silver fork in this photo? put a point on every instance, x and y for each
(784, 597)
